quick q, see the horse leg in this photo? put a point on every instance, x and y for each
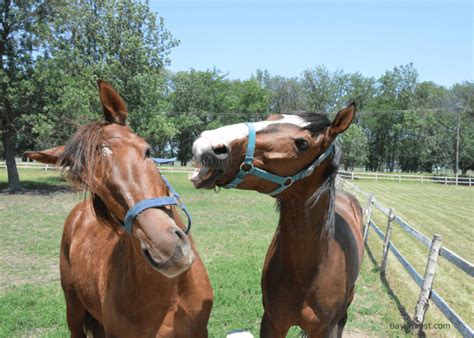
(75, 314)
(80, 322)
(268, 328)
(340, 325)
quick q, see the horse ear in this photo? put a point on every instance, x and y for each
(48, 156)
(343, 119)
(115, 110)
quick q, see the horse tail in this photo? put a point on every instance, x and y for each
(92, 327)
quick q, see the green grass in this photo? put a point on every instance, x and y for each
(232, 230)
(431, 209)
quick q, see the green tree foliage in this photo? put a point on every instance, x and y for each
(285, 95)
(196, 100)
(53, 53)
(354, 147)
(321, 88)
(121, 41)
(23, 28)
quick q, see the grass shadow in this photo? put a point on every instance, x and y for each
(46, 186)
(403, 311)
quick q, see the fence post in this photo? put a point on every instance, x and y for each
(368, 215)
(399, 178)
(469, 180)
(386, 243)
(352, 176)
(446, 180)
(376, 177)
(425, 293)
(421, 178)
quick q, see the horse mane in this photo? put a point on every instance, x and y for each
(329, 187)
(78, 162)
(317, 123)
(81, 156)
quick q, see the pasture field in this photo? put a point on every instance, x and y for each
(232, 230)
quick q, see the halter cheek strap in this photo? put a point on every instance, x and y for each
(247, 168)
(157, 202)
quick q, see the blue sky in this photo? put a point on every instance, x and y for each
(286, 37)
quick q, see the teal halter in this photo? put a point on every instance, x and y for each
(247, 167)
(157, 202)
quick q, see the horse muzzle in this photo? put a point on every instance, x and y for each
(166, 247)
(211, 161)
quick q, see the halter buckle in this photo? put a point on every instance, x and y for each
(246, 166)
(288, 181)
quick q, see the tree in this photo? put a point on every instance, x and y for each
(354, 147)
(196, 100)
(23, 27)
(121, 41)
(320, 89)
(463, 97)
(359, 89)
(249, 101)
(396, 88)
(285, 94)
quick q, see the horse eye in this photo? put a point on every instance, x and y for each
(301, 144)
(148, 153)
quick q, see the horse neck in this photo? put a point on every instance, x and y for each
(303, 237)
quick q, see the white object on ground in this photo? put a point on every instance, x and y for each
(239, 334)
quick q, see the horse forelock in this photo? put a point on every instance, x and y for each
(317, 122)
(82, 155)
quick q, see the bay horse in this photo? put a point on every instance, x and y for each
(128, 268)
(315, 256)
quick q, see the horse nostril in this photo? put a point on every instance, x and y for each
(220, 150)
(180, 234)
(183, 242)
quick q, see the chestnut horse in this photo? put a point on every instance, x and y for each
(314, 258)
(142, 281)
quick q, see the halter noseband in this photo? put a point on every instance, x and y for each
(247, 167)
(157, 202)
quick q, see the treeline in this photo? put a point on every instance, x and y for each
(53, 52)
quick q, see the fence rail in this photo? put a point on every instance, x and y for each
(426, 291)
(42, 166)
(352, 175)
(344, 174)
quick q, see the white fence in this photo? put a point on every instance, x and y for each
(434, 245)
(30, 165)
(349, 175)
(42, 166)
(352, 175)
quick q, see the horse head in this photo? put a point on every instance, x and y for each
(114, 164)
(268, 156)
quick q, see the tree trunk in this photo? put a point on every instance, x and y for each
(13, 178)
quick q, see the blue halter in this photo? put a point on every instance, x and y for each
(157, 202)
(247, 167)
